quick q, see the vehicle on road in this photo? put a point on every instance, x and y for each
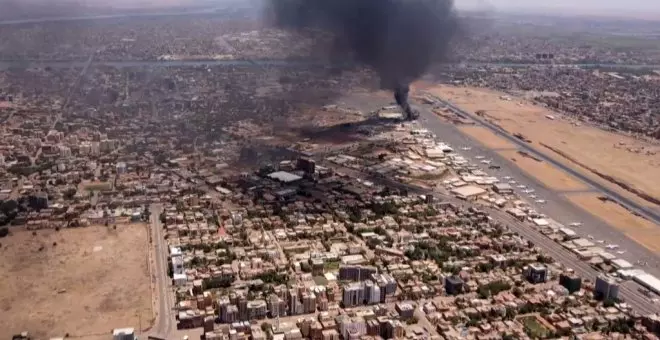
(590, 237)
(540, 201)
(601, 241)
(575, 224)
(522, 186)
(480, 157)
(486, 161)
(621, 252)
(466, 148)
(612, 246)
(512, 182)
(506, 177)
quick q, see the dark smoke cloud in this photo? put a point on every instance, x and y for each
(399, 39)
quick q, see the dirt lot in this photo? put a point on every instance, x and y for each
(486, 137)
(93, 280)
(638, 229)
(545, 173)
(626, 159)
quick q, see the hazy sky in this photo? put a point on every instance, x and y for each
(581, 6)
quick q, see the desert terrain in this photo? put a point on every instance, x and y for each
(622, 163)
(630, 161)
(486, 137)
(545, 173)
(636, 228)
(82, 282)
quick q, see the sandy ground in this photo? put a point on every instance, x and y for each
(95, 279)
(545, 173)
(607, 152)
(637, 228)
(486, 137)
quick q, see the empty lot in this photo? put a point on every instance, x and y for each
(81, 281)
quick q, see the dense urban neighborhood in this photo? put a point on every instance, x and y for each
(221, 179)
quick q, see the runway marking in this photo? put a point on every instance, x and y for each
(486, 137)
(579, 191)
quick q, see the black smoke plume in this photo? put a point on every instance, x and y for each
(399, 39)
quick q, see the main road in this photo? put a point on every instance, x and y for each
(629, 292)
(163, 325)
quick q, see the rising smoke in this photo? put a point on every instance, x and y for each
(398, 39)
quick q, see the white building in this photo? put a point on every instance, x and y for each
(176, 256)
(375, 295)
(95, 149)
(85, 148)
(356, 327)
(123, 334)
(65, 151)
(121, 168)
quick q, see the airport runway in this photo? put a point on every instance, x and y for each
(648, 213)
(557, 207)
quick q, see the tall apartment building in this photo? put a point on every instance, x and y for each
(353, 294)
(606, 288)
(356, 272)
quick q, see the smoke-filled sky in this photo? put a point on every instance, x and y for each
(568, 6)
(597, 7)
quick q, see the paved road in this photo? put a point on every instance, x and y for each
(557, 206)
(629, 291)
(163, 325)
(65, 106)
(646, 212)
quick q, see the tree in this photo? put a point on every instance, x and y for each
(266, 327)
(472, 323)
(8, 206)
(373, 242)
(517, 292)
(609, 302)
(544, 259)
(69, 193)
(4, 231)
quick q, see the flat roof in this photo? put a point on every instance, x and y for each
(503, 186)
(284, 176)
(649, 281)
(622, 264)
(120, 331)
(468, 191)
(584, 243)
(541, 222)
(353, 259)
